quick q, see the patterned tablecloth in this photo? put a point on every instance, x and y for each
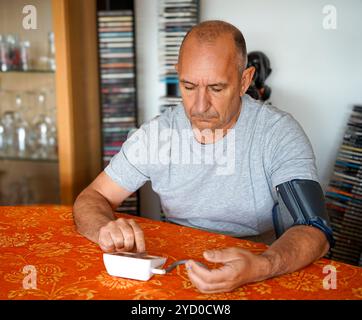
(68, 266)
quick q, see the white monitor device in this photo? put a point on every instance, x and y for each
(138, 266)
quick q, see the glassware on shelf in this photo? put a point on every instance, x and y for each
(43, 130)
(2, 139)
(22, 129)
(14, 55)
(4, 54)
(14, 131)
(41, 134)
(24, 55)
(8, 120)
(52, 113)
(14, 51)
(51, 51)
(21, 143)
(27, 130)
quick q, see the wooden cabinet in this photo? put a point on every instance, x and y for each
(77, 94)
(75, 82)
(77, 90)
(25, 178)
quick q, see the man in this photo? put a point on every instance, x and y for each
(268, 148)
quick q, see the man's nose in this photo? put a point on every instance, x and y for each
(202, 103)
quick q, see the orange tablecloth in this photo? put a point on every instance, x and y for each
(71, 267)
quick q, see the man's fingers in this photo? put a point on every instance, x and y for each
(223, 255)
(139, 236)
(208, 281)
(222, 274)
(117, 237)
(121, 235)
(106, 242)
(128, 236)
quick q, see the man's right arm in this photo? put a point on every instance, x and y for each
(94, 217)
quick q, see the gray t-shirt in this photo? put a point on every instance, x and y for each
(226, 187)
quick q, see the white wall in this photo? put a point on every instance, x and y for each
(148, 87)
(147, 58)
(317, 73)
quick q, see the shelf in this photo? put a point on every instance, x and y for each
(28, 71)
(13, 158)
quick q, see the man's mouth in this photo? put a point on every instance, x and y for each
(204, 119)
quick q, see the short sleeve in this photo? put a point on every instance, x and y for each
(128, 168)
(289, 154)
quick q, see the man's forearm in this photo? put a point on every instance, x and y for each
(91, 211)
(296, 248)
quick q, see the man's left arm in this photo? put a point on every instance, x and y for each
(298, 247)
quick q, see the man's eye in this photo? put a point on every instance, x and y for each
(189, 88)
(216, 89)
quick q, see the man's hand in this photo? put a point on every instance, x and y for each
(295, 249)
(240, 267)
(121, 235)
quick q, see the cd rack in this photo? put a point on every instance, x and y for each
(344, 194)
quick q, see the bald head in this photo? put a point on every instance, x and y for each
(208, 32)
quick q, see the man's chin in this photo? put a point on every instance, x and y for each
(203, 124)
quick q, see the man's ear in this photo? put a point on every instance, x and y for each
(246, 79)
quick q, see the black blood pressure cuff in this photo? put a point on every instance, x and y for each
(301, 202)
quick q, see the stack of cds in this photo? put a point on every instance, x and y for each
(118, 84)
(176, 18)
(344, 194)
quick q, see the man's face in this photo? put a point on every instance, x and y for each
(210, 82)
